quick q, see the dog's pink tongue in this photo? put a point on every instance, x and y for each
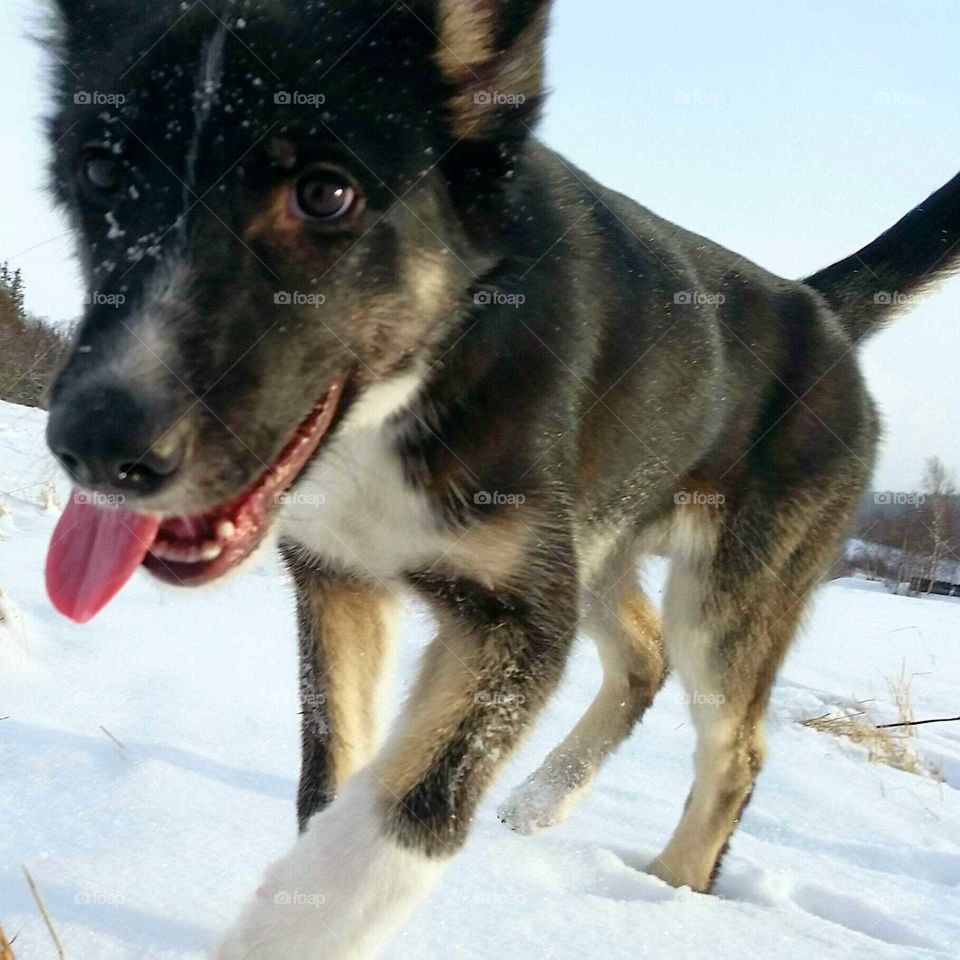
(93, 553)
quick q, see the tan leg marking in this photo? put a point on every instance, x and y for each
(345, 629)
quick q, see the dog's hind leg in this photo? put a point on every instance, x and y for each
(733, 604)
(344, 627)
(626, 630)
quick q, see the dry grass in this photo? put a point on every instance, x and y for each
(894, 746)
(6, 951)
(6, 948)
(42, 907)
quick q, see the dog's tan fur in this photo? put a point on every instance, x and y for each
(493, 553)
(345, 632)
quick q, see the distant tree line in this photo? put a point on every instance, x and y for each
(30, 350)
(910, 539)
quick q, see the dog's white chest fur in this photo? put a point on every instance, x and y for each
(353, 507)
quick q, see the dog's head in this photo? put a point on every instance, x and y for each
(279, 204)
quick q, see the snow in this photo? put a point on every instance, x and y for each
(149, 765)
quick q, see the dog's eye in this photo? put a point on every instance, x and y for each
(102, 170)
(324, 194)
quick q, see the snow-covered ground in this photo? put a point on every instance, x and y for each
(148, 766)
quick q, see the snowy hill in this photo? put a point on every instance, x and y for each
(149, 764)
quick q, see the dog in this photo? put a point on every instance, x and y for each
(341, 295)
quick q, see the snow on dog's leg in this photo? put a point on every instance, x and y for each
(365, 861)
(627, 633)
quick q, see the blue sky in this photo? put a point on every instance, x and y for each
(792, 132)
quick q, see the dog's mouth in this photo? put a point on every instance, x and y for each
(95, 548)
(194, 549)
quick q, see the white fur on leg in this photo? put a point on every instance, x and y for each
(339, 893)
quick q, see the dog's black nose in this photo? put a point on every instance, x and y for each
(109, 441)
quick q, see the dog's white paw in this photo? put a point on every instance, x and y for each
(538, 804)
(338, 894)
(279, 923)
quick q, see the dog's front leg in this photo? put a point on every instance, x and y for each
(345, 631)
(365, 861)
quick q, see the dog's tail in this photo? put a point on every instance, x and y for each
(868, 288)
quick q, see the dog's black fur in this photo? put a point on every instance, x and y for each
(594, 361)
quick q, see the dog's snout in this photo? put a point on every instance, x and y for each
(109, 440)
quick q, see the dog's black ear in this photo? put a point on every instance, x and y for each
(491, 53)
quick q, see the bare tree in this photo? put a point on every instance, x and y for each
(939, 516)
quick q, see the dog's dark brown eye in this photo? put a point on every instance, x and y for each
(102, 170)
(324, 194)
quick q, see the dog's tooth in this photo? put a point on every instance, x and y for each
(226, 529)
(210, 551)
(178, 553)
